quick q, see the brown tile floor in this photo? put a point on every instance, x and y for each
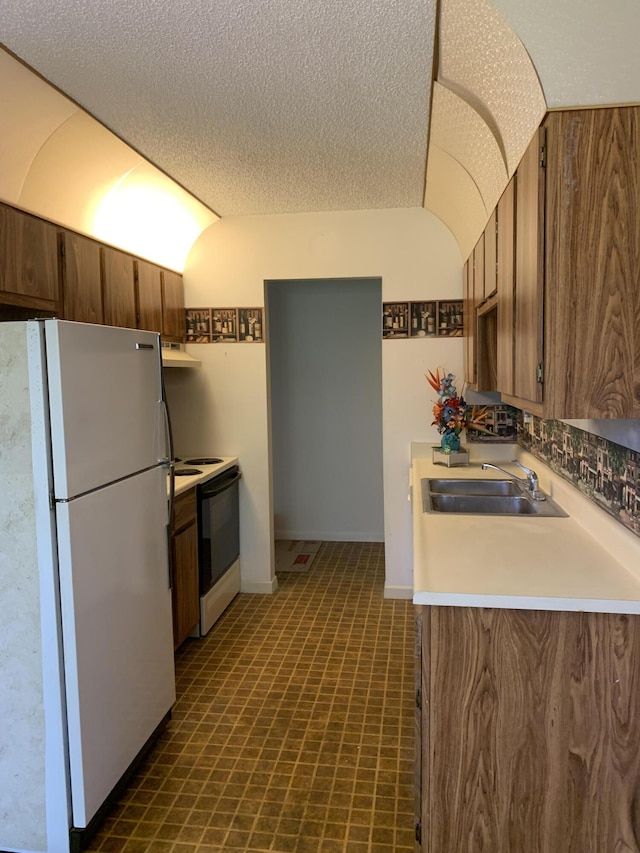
(293, 729)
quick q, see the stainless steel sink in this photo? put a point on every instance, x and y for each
(483, 504)
(484, 497)
(474, 487)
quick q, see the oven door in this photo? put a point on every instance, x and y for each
(218, 527)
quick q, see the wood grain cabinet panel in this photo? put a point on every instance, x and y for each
(149, 290)
(469, 321)
(534, 731)
(81, 278)
(478, 271)
(506, 288)
(577, 283)
(185, 593)
(592, 325)
(529, 279)
(173, 318)
(118, 288)
(29, 268)
(490, 278)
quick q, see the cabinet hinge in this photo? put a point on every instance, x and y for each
(543, 156)
(418, 698)
(540, 373)
(419, 832)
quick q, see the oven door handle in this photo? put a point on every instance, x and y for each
(210, 490)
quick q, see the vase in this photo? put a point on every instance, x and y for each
(450, 442)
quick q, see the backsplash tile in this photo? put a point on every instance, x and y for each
(501, 420)
(605, 472)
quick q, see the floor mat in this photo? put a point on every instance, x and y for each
(295, 555)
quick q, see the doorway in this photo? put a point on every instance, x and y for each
(325, 378)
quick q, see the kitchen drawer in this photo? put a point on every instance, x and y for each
(184, 510)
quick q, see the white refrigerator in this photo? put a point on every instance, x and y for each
(85, 449)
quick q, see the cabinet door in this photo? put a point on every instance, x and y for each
(118, 288)
(592, 298)
(528, 315)
(149, 288)
(506, 285)
(421, 745)
(534, 738)
(185, 593)
(478, 271)
(490, 281)
(469, 314)
(28, 261)
(81, 278)
(173, 318)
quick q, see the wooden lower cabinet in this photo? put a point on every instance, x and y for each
(184, 563)
(529, 731)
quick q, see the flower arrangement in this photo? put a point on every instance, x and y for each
(451, 412)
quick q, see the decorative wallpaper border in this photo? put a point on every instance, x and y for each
(607, 473)
(502, 423)
(224, 325)
(432, 318)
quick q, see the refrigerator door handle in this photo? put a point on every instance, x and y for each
(172, 479)
(144, 346)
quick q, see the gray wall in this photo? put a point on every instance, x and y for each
(325, 361)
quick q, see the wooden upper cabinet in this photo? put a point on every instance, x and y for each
(29, 269)
(81, 278)
(529, 278)
(468, 315)
(478, 271)
(506, 288)
(118, 288)
(592, 308)
(490, 280)
(173, 320)
(149, 288)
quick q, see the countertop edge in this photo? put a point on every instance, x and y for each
(519, 602)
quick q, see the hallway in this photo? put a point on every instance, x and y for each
(293, 729)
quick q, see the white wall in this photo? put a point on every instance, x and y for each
(325, 357)
(416, 257)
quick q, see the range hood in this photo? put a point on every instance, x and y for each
(174, 355)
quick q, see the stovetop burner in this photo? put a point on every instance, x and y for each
(205, 460)
(187, 472)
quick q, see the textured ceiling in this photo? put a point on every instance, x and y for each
(283, 106)
(483, 60)
(255, 107)
(585, 51)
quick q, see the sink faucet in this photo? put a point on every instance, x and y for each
(531, 479)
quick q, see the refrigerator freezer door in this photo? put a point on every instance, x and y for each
(107, 420)
(117, 630)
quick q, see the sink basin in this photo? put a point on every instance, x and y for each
(483, 504)
(484, 497)
(474, 487)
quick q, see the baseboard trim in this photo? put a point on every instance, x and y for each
(327, 536)
(405, 592)
(259, 587)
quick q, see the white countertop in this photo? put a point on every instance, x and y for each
(183, 484)
(586, 561)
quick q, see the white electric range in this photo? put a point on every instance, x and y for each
(216, 481)
(201, 468)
